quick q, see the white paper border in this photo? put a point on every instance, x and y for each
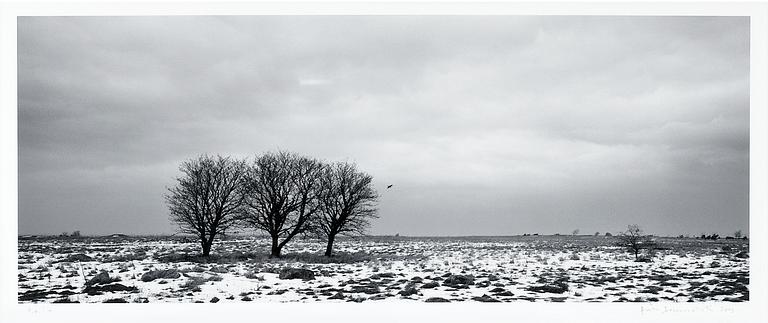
(754, 310)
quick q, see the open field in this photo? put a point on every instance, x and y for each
(381, 269)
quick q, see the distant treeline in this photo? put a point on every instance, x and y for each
(713, 236)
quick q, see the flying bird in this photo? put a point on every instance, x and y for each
(389, 186)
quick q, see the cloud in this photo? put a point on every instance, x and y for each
(487, 124)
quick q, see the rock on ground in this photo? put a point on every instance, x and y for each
(437, 300)
(100, 289)
(409, 290)
(485, 299)
(157, 274)
(297, 273)
(101, 278)
(456, 280)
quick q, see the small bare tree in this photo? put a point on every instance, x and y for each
(634, 240)
(207, 200)
(348, 202)
(282, 196)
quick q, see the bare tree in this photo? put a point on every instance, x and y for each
(634, 240)
(282, 196)
(737, 234)
(207, 200)
(348, 202)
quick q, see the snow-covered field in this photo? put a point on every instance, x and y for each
(381, 269)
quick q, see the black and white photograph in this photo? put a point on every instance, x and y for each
(384, 159)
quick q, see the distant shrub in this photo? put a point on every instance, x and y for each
(219, 258)
(76, 257)
(139, 255)
(643, 258)
(654, 248)
(713, 236)
(193, 283)
(635, 241)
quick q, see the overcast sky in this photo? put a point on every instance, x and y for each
(485, 125)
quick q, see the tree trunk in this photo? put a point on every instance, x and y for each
(206, 248)
(329, 247)
(275, 248)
